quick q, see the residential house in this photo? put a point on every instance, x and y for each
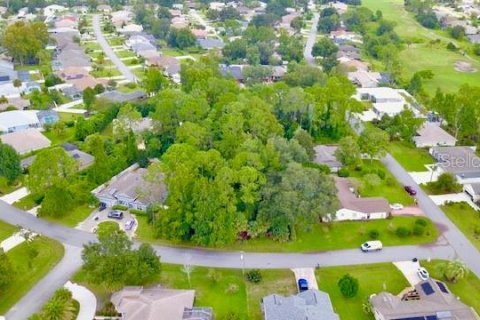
(8, 90)
(16, 120)
(169, 65)
(462, 162)
(25, 141)
(178, 22)
(217, 6)
(367, 79)
(140, 47)
(31, 86)
(120, 97)
(353, 64)
(348, 51)
(175, 12)
(236, 71)
(19, 103)
(129, 188)
(286, 21)
(200, 33)
(78, 77)
(158, 303)
(339, 6)
(69, 53)
(69, 22)
(428, 300)
(209, 44)
(353, 207)
(121, 18)
(387, 101)
(83, 159)
(131, 28)
(47, 117)
(473, 191)
(104, 8)
(432, 135)
(342, 37)
(325, 154)
(311, 304)
(24, 75)
(53, 9)
(72, 92)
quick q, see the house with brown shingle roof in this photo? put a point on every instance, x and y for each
(353, 207)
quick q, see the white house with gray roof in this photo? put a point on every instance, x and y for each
(462, 162)
(432, 135)
(307, 305)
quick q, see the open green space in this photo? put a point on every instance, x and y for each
(421, 55)
(60, 136)
(125, 54)
(92, 45)
(466, 219)
(411, 158)
(28, 271)
(228, 294)
(73, 217)
(6, 230)
(467, 289)
(389, 187)
(115, 41)
(66, 116)
(105, 73)
(322, 237)
(372, 278)
(27, 202)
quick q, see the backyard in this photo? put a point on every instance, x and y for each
(466, 219)
(372, 278)
(28, 271)
(411, 158)
(227, 292)
(322, 237)
(388, 187)
(420, 55)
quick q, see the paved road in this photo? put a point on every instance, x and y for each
(126, 72)
(464, 250)
(312, 37)
(43, 290)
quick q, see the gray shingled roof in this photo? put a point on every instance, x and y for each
(308, 305)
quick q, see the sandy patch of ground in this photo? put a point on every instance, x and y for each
(464, 66)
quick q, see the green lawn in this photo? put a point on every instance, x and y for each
(74, 217)
(27, 202)
(323, 237)
(466, 219)
(6, 230)
(105, 73)
(372, 278)
(389, 187)
(60, 137)
(173, 52)
(6, 188)
(49, 254)
(66, 116)
(115, 41)
(411, 158)
(420, 56)
(216, 294)
(92, 45)
(467, 289)
(125, 54)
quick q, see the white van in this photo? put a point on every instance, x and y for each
(371, 246)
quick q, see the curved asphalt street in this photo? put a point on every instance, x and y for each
(126, 72)
(451, 244)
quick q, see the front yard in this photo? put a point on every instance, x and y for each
(6, 230)
(372, 278)
(230, 296)
(323, 237)
(28, 271)
(74, 217)
(411, 158)
(466, 219)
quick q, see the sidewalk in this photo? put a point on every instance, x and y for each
(86, 299)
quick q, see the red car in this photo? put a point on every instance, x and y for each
(410, 190)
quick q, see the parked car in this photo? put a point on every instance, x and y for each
(423, 273)
(374, 245)
(410, 190)
(302, 285)
(396, 206)
(129, 224)
(103, 206)
(115, 214)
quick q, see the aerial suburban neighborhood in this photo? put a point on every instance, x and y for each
(240, 160)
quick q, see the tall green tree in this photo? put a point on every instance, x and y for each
(51, 166)
(373, 142)
(348, 151)
(9, 163)
(154, 81)
(24, 40)
(7, 271)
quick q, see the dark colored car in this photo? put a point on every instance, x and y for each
(410, 190)
(103, 206)
(302, 285)
(115, 215)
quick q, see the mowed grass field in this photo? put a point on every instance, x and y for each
(421, 56)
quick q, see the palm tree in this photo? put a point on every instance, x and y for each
(60, 306)
(454, 270)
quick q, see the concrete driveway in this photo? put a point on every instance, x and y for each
(409, 270)
(91, 223)
(15, 195)
(307, 274)
(86, 299)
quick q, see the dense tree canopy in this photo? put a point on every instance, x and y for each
(24, 40)
(9, 163)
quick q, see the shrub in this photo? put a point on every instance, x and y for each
(254, 276)
(374, 234)
(348, 286)
(402, 232)
(421, 222)
(343, 173)
(214, 276)
(137, 212)
(418, 230)
(131, 85)
(476, 232)
(451, 46)
(119, 207)
(381, 174)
